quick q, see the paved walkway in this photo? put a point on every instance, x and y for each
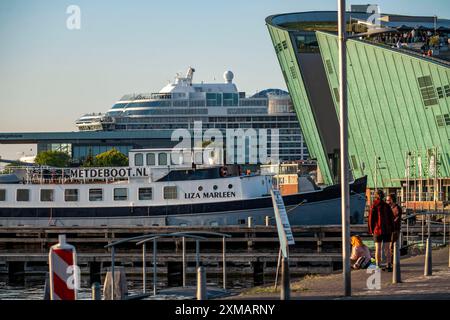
(414, 284)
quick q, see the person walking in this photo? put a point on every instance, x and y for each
(381, 225)
(391, 200)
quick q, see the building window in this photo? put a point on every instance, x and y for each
(138, 159)
(150, 159)
(2, 195)
(336, 94)
(71, 195)
(427, 91)
(162, 159)
(447, 90)
(329, 66)
(95, 194)
(47, 195)
(440, 92)
(23, 195)
(145, 193)
(120, 194)
(170, 193)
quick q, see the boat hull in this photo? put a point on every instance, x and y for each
(319, 207)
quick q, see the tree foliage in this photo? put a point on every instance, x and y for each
(52, 158)
(110, 158)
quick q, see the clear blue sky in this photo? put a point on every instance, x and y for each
(50, 75)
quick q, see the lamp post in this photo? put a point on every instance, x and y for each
(343, 132)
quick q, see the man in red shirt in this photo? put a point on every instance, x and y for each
(381, 226)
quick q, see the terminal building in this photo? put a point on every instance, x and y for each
(147, 120)
(398, 74)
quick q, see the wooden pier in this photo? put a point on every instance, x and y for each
(251, 252)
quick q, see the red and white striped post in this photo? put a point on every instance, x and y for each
(64, 272)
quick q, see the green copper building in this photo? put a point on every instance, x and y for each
(398, 99)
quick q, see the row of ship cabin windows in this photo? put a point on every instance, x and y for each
(176, 158)
(95, 194)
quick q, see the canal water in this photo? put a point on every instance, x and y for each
(32, 288)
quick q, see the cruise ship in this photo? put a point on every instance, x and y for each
(222, 106)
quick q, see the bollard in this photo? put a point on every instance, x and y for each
(95, 291)
(396, 274)
(201, 284)
(224, 264)
(250, 221)
(183, 241)
(428, 259)
(64, 272)
(285, 292)
(267, 221)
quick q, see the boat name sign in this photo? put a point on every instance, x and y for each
(92, 173)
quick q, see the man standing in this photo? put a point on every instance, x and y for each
(381, 226)
(391, 200)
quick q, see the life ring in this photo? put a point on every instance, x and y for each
(223, 171)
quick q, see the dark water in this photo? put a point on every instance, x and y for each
(32, 288)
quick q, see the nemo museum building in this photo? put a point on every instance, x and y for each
(398, 75)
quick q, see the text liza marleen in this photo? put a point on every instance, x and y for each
(224, 309)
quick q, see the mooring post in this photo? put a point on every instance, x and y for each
(201, 284)
(183, 244)
(144, 269)
(285, 292)
(396, 274)
(224, 264)
(155, 271)
(113, 257)
(444, 240)
(428, 259)
(197, 254)
(95, 291)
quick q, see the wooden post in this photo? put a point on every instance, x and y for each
(144, 269)
(183, 242)
(113, 257)
(155, 271)
(428, 259)
(396, 274)
(224, 264)
(285, 292)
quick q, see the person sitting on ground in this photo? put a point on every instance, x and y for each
(360, 258)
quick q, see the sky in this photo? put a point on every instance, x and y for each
(50, 75)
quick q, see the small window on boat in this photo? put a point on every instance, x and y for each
(138, 159)
(151, 159)
(176, 158)
(23, 195)
(95, 194)
(2, 195)
(71, 195)
(200, 188)
(215, 187)
(170, 192)
(120, 194)
(47, 195)
(162, 159)
(145, 193)
(230, 186)
(241, 221)
(214, 224)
